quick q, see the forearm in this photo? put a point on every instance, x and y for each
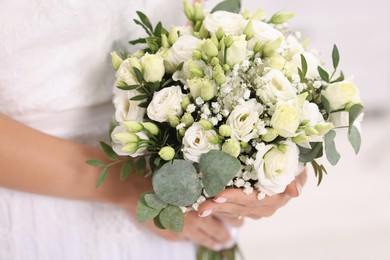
(35, 162)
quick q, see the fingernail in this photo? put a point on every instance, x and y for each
(217, 247)
(206, 213)
(220, 200)
(299, 188)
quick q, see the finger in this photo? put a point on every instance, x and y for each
(236, 196)
(199, 237)
(294, 189)
(214, 228)
(233, 221)
(209, 207)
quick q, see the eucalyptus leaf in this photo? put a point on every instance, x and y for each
(326, 104)
(354, 113)
(307, 155)
(144, 212)
(217, 168)
(96, 163)
(330, 148)
(155, 202)
(323, 74)
(102, 176)
(233, 6)
(335, 57)
(127, 168)
(172, 218)
(355, 139)
(140, 166)
(157, 223)
(108, 151)
(177, 183)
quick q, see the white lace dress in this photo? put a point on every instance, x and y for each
(55, 76)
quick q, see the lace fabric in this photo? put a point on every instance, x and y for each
(56, 76)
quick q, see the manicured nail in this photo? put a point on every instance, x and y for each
(206, 213)
(220, 200)
(299, 188)
(217, 247)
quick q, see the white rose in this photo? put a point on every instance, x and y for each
(276, 167)
(236, 53)
(120, 146)
(196, 142)
(312, 63)
(292, 47)
(153, 67)
(276, 88)
(311, 112)
(126, 74)
(286, 118)
(341, 93)
(263, 33)
(243, 119)
(126, 109)
(180, 51)
(231, 23)
(165, 103)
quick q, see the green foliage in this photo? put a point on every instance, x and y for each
(355, 139)
(127, 168)
(108, 151)
(354, 112)
(330, 148)
(144, 211)
(217, 169)
(153, 201)
(326, 104)
(172, 218)
(323, 74)
(96, 163)
(307, 155)
(157, 223)
(335, 57)
(319, 171)
(140, 166)
(233, 6)
(177, 183)
(102, 176)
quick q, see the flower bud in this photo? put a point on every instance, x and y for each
(207, 125)
(135, 63)
(198, 11)
(225, 130)
(271, 46)
(281, 17)
(189, 10)
(309, 130)
(203, 33)
(220, 78)
(133, 126)
(213, 139)
(187, 119)
(115, 60)
(196, 54)
(153, 67)
(182, 131)
(257, 47)
(226, 67)
(185, 102)
(217, 70)
(220, 33)
(282, 148)
(246, 13)
(210, 49)
(173, 35)
(228, 41)
(167, 153)
(207, 92)
(270, 135)
(323, 128)
(165, 41)
(173, 120)
(215, 40)
(248, 31)
(232, 147)
(197, 72)
(214, 61)
(302, 138)
(244, 145)
(125, 138)
(259, 14)
(151, 128)
(130, 148)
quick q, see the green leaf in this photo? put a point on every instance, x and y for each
(326, 104)
(340, 78)
(158, 30)
(330, 148)
(323, 74)
(137, 41)
(127, 168)
(102, 177)
(144, 212)
(145, 20)
(147, 30)
(354, 113)
(155, 202)
(96, 163)
(131, 87)
(304, 66)
(157, 223)
(233, 6)
(108, 151)
(319, 171)
(217, 168)
(172, 218)
(143, 104)
(177, 183)
(139, 97)
(335, 57)
(140, 166)
(355, 139)
(307, 155)
(138, 74)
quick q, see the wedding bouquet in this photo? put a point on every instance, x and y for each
(232, 100)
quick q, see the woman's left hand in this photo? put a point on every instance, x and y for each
(233, 204)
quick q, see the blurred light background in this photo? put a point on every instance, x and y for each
(348, 215)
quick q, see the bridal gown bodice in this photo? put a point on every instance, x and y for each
(55, 76)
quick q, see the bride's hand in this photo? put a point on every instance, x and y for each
(233, 204)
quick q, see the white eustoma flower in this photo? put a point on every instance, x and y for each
(276, 88)
(153, 67)
(124, 147)
(311, 113)
(196, 141)
(263, 33)
(340, 94)
(312, 63)
(126, 74)
(165, 103)
(236, 53)
(231, 23)
(243, 119)
(276, 167)
(286, 118)
(180, 51)
(126, 109)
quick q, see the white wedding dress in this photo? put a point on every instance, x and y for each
(55, 76)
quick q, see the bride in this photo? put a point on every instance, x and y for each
(55, 96)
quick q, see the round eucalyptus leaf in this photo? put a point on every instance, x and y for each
(153, 201)
(217, 168)
(172, 218)
(144, 212)
(177, 183)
